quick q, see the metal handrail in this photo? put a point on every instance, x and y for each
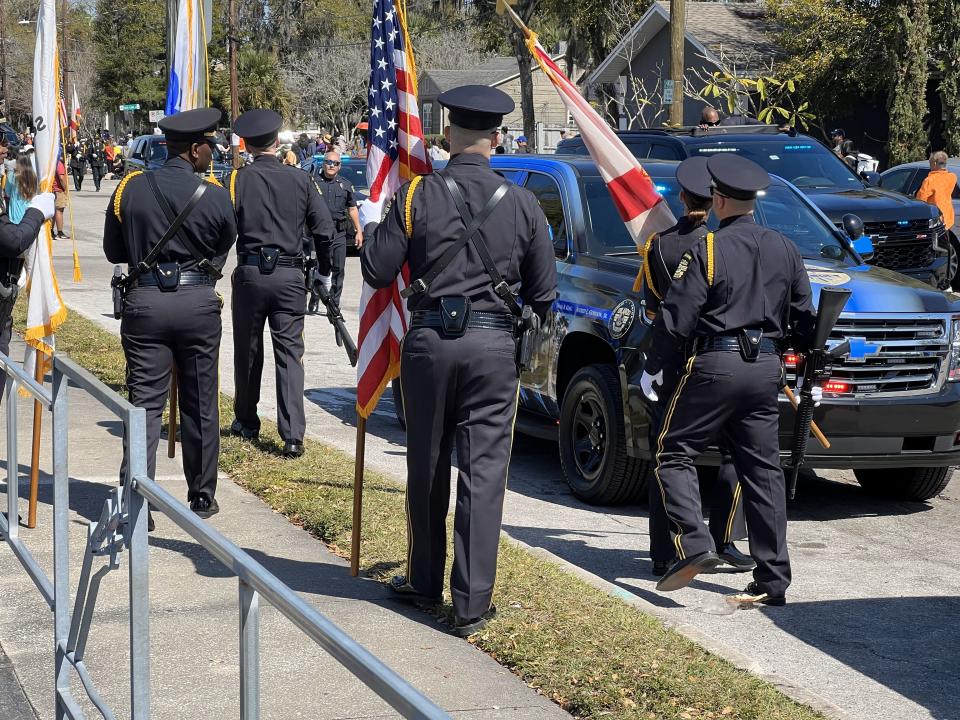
(123, 525)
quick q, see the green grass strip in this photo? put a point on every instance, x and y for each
(591, 653)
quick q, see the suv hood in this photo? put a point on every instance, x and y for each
(871, 204)
(876, 290)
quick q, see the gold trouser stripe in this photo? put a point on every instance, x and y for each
(663, 434)
(406, 501)
(733, 512)
(506, 474)
(710, 259)
(233, 188)
(408, 205)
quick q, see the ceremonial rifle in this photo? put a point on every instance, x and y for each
(318, 292)
(817, 366)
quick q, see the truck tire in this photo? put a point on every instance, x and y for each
(922, 483)
(593, 445)
(398, 403)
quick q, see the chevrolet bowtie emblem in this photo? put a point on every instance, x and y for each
(860, 349)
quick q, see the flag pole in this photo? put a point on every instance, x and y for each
(39, 361)
(358, 495)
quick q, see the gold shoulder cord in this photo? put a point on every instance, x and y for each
(120, 189)
(233, 188)
(408, 205)
(710, 259)
(646, 273)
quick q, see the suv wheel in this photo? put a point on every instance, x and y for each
(921, 483)
(953, 267)
(593, 446)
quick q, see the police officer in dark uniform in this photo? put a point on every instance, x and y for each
(276, 206)
(338, 193)
(78, 164)
(96, 161)
(737, 296)
(171, 314)
(461, 382)
(662, 256)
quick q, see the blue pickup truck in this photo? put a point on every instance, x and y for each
(891, 410)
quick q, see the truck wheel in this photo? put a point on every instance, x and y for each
(593, 446)
(398, 403)
(953, 268)
(921, 483)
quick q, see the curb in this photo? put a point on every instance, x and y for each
(708, 642)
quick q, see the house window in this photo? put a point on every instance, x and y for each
(426, 118)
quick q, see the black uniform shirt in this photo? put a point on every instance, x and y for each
(277, 206)
(15, 239)
(664, 255)
(759, 281)
(135, 222)
(515, 233)
(95, 156)
(338, 193)
(77, 159)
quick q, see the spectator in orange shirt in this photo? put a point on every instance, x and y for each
(937, 188)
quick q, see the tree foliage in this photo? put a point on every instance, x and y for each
(950, 70)
(908, 138)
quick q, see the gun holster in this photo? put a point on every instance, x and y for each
(528, 329)
(268, 259)
(749, 341)
(454, 314)
(168, 276)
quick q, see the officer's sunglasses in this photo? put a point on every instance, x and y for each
(331, 163)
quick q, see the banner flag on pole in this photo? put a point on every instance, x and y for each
(187, 84)
(396, 153)
(45, 310)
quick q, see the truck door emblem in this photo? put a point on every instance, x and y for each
(622, 318)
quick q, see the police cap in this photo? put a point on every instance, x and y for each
(694, 178)
(737, 177)
(476, 107)
(191, 125)
(259, 126)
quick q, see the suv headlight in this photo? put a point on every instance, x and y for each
(935, 222)
(954, 372)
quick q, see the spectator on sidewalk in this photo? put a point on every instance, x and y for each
(938, 187)
(60, 195)
(522, 148)
(21, 185)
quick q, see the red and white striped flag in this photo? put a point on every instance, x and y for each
(641, 207)
(396, 152)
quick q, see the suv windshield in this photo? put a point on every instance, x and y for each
(158, 153)
(779, 208)
(803, 161)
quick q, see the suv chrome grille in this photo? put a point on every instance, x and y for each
(902, 245)
(897, 256)
(901, 356)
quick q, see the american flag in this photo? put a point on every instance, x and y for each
(396, 153)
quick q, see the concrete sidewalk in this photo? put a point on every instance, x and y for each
(194, 641)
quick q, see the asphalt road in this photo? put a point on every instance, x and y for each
(871, 625)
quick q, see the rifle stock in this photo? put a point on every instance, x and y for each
(339, 326)
(816, 369)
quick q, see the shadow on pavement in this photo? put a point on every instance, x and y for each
(907, 644)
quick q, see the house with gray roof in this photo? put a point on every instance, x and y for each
(499, 72)
(718, 35)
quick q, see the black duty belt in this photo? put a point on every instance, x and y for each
(477, 321)
(725, 343)
(296, 261)
(190, 277)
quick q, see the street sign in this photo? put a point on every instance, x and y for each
(668, 92)
(156, 116)
(130, 107)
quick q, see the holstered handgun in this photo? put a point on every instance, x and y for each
(118, 289)
(528, 335)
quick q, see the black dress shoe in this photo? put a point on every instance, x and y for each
(683, 572)
(660, 567)
(754, 594)
(293, 449)
(204, 507)
(465, 628)
(151, 526)
(237, 429)
(734, 558)
(408, 593)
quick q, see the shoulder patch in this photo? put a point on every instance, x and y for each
(120, 188)
(683, 265)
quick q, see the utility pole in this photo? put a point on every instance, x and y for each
(3, 56)
(678, 14)
(234, 85)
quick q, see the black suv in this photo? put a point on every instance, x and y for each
(908, 235)
(149, 152)
(13, 140)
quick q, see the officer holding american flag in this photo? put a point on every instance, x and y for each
(477, 247)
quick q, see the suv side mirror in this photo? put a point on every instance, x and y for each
(872, 179)
(852, 226)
